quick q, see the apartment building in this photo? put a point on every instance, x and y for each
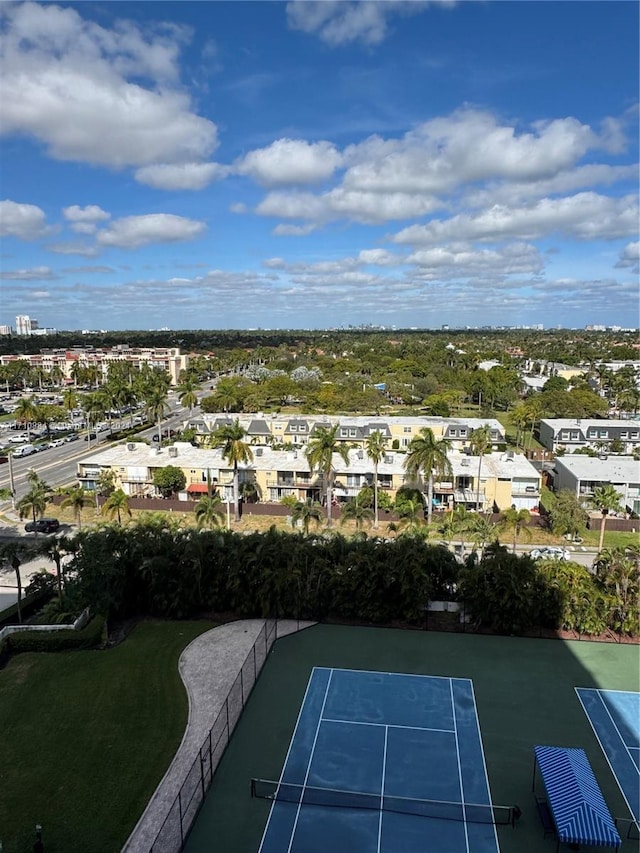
(570, 434)
(164, 358)
(353, 431)
(583, 474)
(506, 479)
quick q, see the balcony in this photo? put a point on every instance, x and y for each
(292, 483)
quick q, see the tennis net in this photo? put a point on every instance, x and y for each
(336, 798)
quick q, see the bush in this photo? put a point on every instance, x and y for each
(30, 604)
(58, 641)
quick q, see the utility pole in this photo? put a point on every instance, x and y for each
(11, 482)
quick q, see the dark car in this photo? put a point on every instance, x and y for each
(43, 525)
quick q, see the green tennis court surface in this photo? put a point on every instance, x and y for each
(524, 694)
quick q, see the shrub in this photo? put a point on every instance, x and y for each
(58, 641)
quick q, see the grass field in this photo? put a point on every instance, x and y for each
(87, 736)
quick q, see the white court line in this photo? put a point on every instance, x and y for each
(398, 674)
(604, 751)
(484, 763)
(284, 766)
(313, 748)
(386, 725)
(384, 770)
(464, 814)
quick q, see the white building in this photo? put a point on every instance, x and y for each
(569, 434)
(25, 325)
(583, 474)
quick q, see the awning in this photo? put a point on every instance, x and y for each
(579, 811)
(200, 488)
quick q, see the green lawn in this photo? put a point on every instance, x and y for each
(87, 736)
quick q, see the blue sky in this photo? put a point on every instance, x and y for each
(319, 164)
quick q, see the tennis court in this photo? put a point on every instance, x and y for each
(615, 718)
(383, 762)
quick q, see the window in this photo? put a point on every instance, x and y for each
(344, 432)
(302, 428)
(353, 433)
(634, 434)
(406, 429)
(604, 433)
(293, 428)
(564, 435)
(453, 433)
(463, 433)
(405, 442)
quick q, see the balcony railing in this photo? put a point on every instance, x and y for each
(292, 483)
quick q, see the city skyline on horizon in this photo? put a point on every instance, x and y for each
(320, 165)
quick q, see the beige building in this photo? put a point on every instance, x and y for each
(506, 479)
(295, 431)
(164, 358)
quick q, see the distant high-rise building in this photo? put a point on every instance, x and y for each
(25, 325)
(5, 330)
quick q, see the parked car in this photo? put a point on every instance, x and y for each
(72, 437)
(549, 552)
(43, 525)
(57, 442)
(24, 450)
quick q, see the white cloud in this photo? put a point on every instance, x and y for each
(586, 216)
(183, 176)
(466, 146)
(25, 221)
(84, 220)
(131, 232)
(340, 22)
(283, 230)
(630, 257)
(462, 261)
(90, 213)
(66, 248)
(290, 161)
(66, 83)
(380, 258)
(34, 274)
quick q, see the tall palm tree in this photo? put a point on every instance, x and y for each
(606, 500)
(427, 455)
(70, 399)
(116, 504)
(482, 531)
(306, 513)
(374, 446)
(319, 452)
(11, 556)
(230, 438)
(54, 549)
(187, 392)
(516, 521)
(77, 498)
(209, 513)
(156, 407)
(480, 442)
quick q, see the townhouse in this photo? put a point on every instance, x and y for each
(570, 434)
(281, 430)
(583, 474)
(506, 479)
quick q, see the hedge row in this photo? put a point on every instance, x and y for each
(58, 641)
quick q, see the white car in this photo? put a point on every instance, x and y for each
(549, 552)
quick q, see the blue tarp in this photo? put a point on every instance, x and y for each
(576, 802)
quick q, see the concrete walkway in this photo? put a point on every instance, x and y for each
(208, 667)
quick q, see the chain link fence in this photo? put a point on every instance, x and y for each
(185, 807)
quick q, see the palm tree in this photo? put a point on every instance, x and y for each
(428, 455)
(375, 449)
(34, 502)
(116, 504)
(480, 441)
(77, 498)
(606, 500)
(482, 531)
(209, 513)
(70, 399)
(319, 453)
(306, 512)
(156, 407)
(26, 410)
(230, 438)
(54, 549)
(11, 554)
(516, 520)
(353, 511)
(187, 392)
